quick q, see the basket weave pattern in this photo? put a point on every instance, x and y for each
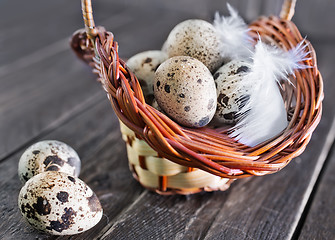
(211, 150)
(164, 176)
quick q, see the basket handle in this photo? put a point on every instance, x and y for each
(286, 13)
(287, 10)
(86, 7)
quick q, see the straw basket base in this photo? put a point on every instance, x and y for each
(163, 176)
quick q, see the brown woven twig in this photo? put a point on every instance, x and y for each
(208, 149)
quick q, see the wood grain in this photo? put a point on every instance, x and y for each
(320, 222)
(27, 26)
(42, 86)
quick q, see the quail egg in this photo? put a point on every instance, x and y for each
(232, 95)
(144, 65)
(49, 155)
(195, 38)
(59, 204)
(184, 88)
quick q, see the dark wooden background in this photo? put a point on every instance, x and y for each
(46, 93)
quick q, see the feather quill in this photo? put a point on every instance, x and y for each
(233, 31)
(264, 115)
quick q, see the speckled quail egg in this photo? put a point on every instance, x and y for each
(184, 88)
(144, 65)
(59, 204)
(232, 95)
(195, 38)
(49, 155)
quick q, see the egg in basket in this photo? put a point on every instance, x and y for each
(220, 101)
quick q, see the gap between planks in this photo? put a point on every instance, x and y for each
(110, 227)
(323, 161)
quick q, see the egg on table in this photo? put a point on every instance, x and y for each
(144, 65)
(184, 88)
(59, 204)
(231, 94)
(195, 38)
(49, 155)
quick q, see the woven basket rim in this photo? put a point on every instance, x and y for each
(211, 150)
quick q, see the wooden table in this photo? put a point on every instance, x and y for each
(47, 93)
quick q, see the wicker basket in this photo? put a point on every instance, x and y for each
(168, 158)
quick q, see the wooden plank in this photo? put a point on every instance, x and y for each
(320, 222)
(266, 207)
(166, 217)
(27, 26)
(42, 86)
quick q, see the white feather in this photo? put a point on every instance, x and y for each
(264, 116)
(236, 43)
